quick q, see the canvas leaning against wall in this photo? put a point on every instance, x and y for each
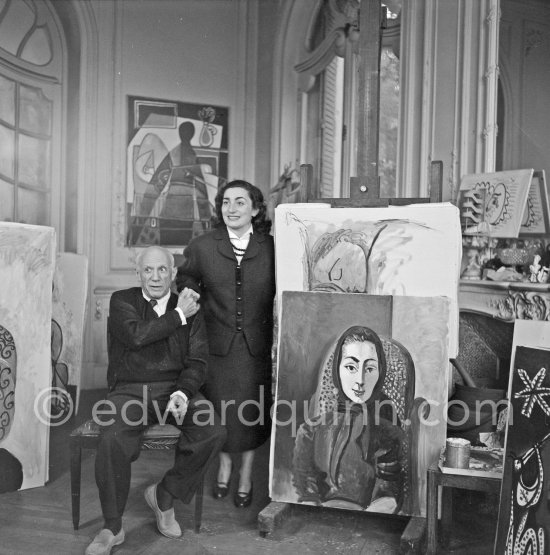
(176, 159)
(398, 250)
(27, 259)
(70, 292)
(350, 440)
(524, 512)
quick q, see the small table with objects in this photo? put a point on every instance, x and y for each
(449, 478)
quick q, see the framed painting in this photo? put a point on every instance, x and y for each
(360, 400)
(177, 157)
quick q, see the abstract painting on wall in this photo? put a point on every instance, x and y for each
(360, 400)
(27, 259)
(176, 159)
(524, 512)
(398, 250)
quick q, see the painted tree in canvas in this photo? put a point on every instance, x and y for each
(399, 250)
(357, 259)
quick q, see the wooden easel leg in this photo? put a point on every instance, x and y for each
(272, 516)
(76, 462)
(431, 512)
(413, 536)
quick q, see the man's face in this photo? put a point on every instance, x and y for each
(156, 273)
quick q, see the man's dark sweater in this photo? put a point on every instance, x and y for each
(144, 347)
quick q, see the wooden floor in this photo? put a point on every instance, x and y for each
(38, 521)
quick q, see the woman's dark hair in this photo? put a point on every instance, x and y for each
(360, 334)
(260, 222)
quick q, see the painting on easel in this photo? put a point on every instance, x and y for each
(360, 400)
(524, 513)
(398, 250)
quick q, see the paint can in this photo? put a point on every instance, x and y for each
(457, 452)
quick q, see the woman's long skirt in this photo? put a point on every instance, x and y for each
(239, 386)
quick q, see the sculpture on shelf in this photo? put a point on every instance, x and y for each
(538, 272)
(473, 267)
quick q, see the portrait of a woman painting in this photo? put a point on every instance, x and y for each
(349, 454)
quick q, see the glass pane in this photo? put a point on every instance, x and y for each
(7, 142)
(34, 159)
(35, 111)
(33, 207)
(6, 201)
(37, 50)
(15, 25)
(389, 122)
(7, 100)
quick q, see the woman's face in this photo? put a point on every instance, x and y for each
(237, 210)
(359, 370)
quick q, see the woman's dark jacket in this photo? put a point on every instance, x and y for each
(234, 299)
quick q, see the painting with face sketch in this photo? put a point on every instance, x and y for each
(397, 250)
(361, 391)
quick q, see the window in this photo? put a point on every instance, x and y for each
(30, 97)
(331, 101)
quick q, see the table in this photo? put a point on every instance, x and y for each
(447, 480)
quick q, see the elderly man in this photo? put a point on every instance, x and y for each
(157, 353)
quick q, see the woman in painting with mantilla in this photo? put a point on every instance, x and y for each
(233, 269)
(349, 454)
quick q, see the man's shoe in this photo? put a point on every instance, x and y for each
(104, 542)
(166, 521)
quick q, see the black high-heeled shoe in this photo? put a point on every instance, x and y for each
(243, 499)
(221, 489)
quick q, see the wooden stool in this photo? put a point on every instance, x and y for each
(86, 436)
(447, 481)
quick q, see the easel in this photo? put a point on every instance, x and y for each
(364, 192)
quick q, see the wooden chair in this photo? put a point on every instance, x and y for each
(86, 436)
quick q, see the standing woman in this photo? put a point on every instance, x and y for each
(233, 269)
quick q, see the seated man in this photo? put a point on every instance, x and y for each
(157, 353)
